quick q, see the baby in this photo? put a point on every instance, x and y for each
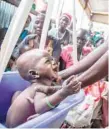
(36, 67)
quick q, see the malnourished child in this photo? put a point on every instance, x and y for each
(36, 67)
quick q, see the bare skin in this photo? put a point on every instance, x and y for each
(36, 66)
(85, 63)
(96, 71)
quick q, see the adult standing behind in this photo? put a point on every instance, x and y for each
(62, 33)
(32, 40)
(67, 51)
(60, 36)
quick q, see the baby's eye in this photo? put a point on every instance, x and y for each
(47, 61)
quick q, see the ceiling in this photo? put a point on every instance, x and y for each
(97, 10)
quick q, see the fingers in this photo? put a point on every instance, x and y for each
(72, 82)
(59, 80)
(32, 117)
(77, 88)
(69, 79)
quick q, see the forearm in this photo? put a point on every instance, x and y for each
(96, 72)
(55, 99)
(85, 63)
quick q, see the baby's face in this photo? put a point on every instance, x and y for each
(47, 68)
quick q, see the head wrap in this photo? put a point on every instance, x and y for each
(67, 15)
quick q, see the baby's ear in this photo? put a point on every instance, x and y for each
(33, 74)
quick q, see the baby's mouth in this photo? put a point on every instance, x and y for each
(54, 76)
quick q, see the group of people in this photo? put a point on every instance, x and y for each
(59, 41)
(45, 69)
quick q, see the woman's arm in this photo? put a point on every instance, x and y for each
(96, 72)
(85, 63)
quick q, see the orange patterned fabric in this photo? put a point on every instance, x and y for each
(96, 90)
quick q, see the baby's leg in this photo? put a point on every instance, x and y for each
(16, 94)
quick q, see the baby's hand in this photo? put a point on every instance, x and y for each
(71, 86)
(32, 117)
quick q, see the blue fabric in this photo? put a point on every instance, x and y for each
(9, 85)
(23, 35)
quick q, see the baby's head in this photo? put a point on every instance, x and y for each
(36, 64)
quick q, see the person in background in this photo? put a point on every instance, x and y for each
(32, 40)
(67, 51)
(60, 36)
(61, 33)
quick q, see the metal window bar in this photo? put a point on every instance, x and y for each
(74, 54)
(13, 33)
(46, 24)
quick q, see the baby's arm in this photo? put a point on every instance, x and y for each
(37, 99)
(43, 103)
(40, 102)
(16, 94)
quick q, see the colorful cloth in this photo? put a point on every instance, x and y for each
(86, 50)
(23, 35)
(66, 55)
(96, 38)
